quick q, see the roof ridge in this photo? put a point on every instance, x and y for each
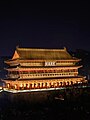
(41, 49)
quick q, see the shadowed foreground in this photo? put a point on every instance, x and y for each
(74, 108)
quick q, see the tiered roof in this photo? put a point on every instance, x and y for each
(41, 54)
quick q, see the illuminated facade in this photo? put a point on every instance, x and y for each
(41, 69)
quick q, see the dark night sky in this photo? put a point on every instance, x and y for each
(44, 26)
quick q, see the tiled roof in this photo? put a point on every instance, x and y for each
(43, 54)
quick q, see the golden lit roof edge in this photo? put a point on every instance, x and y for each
(40, 49)
(15, 56)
